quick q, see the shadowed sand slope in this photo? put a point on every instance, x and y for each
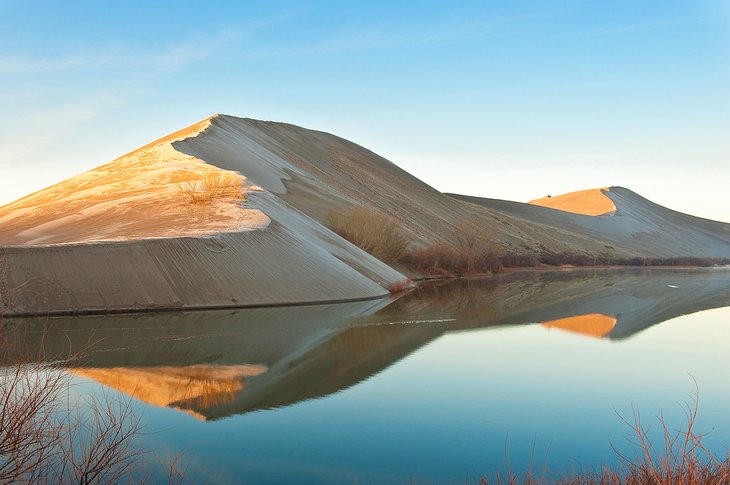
(590, 202)
(318, 174)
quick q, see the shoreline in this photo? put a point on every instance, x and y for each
(508, 274)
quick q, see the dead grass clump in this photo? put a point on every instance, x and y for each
(214, 184)
(374, 232)
(471, 251)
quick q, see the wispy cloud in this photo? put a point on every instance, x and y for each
(649, 25)
(384, 36)
(171, 56)
(37, 129)
(31, 131)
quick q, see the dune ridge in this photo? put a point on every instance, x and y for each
(116, 239)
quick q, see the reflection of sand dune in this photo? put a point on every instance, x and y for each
(312, 351)
(592, 324)
(590, 202)
(202, 386)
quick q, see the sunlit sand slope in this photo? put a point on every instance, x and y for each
(137, 196)
(592, 202)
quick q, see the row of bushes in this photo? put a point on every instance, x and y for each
(472, 250)
(580, 259)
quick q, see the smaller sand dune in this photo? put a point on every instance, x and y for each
(593, 324)
(591, 202)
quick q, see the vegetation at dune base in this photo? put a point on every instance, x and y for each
(375, 232)
(472, 249)
(199, 187)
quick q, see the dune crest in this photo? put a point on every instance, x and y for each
(137, 196)
(591, 202)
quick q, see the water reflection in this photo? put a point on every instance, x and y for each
(187, 388)
(219, 363)
(592, 324)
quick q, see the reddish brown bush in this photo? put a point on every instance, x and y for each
(472, 251)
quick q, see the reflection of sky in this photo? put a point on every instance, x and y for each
(447, 411)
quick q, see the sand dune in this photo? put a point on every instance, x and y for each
(591, 202)
(121, 237)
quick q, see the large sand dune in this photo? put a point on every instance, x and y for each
(122, 238)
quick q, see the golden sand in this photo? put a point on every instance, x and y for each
(592, 202)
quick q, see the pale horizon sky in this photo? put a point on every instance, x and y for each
(512, 100)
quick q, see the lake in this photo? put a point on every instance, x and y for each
(453, 381)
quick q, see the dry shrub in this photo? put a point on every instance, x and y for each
(214, 184)
(678, 458)
(374, 232)
(45, 438)
(400, 286)
(471, 251)
(520, 260)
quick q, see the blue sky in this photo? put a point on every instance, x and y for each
(512, 99)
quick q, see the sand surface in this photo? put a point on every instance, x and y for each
(591, 202)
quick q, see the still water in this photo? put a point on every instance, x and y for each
(450, 382)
